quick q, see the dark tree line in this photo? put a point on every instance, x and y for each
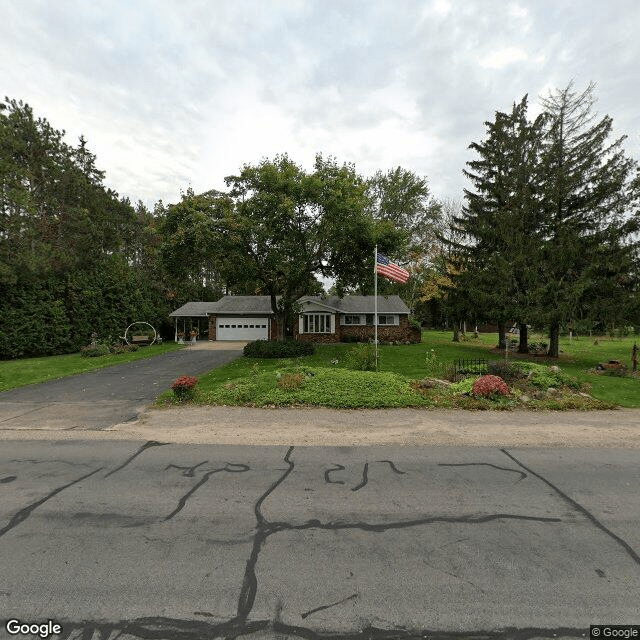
(74, 257)
(547, 234)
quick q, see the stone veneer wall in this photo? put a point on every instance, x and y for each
(403, 332)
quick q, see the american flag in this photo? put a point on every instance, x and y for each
(391, 270)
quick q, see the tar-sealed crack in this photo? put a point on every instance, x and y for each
(230, 467)
(578, 507)
(306, 614)
(144, 447)
(23, 514)
(328, 472)
(265, 528)
(159, 628)
(187, 472)
(365, 478)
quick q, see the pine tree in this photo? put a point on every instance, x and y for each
(501, 221)
(590, 212)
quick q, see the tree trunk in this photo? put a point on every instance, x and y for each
(456, 332)
(554, 340)
(502, 335)
(523, 347)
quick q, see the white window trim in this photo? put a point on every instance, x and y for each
(388, 324)
(328, 330)
(362, 320)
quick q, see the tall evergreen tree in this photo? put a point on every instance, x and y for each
(500, 222)
(589, 204)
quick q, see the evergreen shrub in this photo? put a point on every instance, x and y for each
(277, 349)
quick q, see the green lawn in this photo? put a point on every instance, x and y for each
(18, 373)
(327, 379)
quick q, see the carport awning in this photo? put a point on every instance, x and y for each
(194, 310)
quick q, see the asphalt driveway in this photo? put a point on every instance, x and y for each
(99, 399)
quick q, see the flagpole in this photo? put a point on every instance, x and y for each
(375, 298)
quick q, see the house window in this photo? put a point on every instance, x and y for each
(386, 320)
(317, 323)
(352, 319)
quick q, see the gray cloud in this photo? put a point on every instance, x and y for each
(175, 94)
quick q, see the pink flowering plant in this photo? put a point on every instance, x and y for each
(184, 388)
(490, 386)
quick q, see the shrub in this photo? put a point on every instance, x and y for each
(465, 386)
(544, 377)
(537, 347)
(184, 388)
(414, 323)
(490, 385)
(116, 348)
(94, 351)
(508, 371)
(431, 360)
(291, 381)
(277, 349)
(362, 357)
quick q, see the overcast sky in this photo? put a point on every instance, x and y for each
(173, 94)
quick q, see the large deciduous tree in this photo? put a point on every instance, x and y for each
(278, 229)
(404, 198)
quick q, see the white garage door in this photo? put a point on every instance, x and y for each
(242, 329)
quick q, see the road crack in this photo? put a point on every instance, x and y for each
(578, 507)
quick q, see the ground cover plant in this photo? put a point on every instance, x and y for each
(18, 373)
(411, 376)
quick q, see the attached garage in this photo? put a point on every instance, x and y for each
(242, 318)
(242, 328)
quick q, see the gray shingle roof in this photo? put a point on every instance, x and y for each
(244, 304)
(193, 309)
(239, 305)
(362, 304)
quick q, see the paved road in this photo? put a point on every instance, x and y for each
(99, 399)
(135, 540)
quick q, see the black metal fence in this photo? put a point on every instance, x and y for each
(469, 366)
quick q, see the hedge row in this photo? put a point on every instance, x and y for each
(58, 314)
(276, 349)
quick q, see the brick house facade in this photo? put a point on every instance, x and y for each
(323, 319)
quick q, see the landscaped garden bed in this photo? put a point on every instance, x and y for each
(413, 376)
